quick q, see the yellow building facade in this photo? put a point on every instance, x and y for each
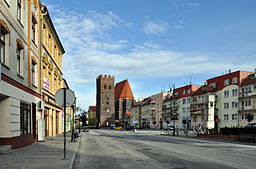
(52, 51)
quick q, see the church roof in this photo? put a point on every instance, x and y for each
(123, 90)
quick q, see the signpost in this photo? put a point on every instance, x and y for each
(65, 97)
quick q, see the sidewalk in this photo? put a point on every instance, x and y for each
(48, 154)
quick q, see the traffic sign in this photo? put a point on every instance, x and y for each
(70, 97)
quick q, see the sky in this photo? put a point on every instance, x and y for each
(152, 43)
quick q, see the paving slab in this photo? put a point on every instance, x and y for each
(48, 154)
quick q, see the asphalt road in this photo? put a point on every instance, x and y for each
(104, 149)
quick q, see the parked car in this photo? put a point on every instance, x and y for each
(119, 128)
(252, 125)
(129, 128)
(85, 129)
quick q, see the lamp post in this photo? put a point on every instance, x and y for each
(172, 88)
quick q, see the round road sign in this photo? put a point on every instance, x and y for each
(70, 97)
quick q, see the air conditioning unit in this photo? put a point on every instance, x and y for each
(40, 105)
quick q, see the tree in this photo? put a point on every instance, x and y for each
(93, 121)
(83, 118)
(250, 118)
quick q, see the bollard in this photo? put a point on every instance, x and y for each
(162, 132)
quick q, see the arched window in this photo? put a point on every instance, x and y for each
(20, 56)
(4, 39)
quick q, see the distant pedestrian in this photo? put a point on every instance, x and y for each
(199, 129)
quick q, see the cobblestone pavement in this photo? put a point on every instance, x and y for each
(48, 154)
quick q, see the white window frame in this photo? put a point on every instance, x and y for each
(226, 93)
(234, 80)
(226, 82)
(226, 117)
(234, 92)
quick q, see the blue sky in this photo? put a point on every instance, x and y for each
(152, 43)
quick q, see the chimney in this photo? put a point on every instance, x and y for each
(255, 71)
(229, 70)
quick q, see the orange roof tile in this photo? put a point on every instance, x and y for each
(123, 89)
(92, 108)
(251, 79)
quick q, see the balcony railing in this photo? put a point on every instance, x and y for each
(212, 89)
(247, 94)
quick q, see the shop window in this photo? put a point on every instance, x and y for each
(25, 118)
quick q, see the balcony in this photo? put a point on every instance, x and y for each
(247, 109)
(246, 95)
(212, 89)
(152, 108)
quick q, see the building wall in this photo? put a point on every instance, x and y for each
(156, 105)
(135, 115)
(221, 100)
(245, 109)
(52, 52)
(15, 86)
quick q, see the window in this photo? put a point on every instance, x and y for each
(188, 109)
(246, 103)
(33, 72)
(188, 91)
(20, 53)
(195, 99)
(109, 87)
(234, 105)
(203, 99)
(188, 100)
(226, 93)
(176, 93)
(212, 85)
(105, 86)
(184, 101)
(244, 116)
(25, 118)
(226, 82)
(195, 119)
(19, 10)
(225, 116)
(184, 110)
(246, 90)
(234, 92)
(234, 116)
(184, 92)
(234, 80)
(226, 105)
(33, 38)
(3, 40)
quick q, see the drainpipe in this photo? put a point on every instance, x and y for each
(41, 46)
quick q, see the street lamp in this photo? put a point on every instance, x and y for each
(172, 88)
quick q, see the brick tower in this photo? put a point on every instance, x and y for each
(105, 96)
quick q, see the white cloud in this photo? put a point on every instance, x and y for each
(91, 51)
(154, 28)
(178, 26)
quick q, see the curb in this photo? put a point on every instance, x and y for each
(72, 161)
